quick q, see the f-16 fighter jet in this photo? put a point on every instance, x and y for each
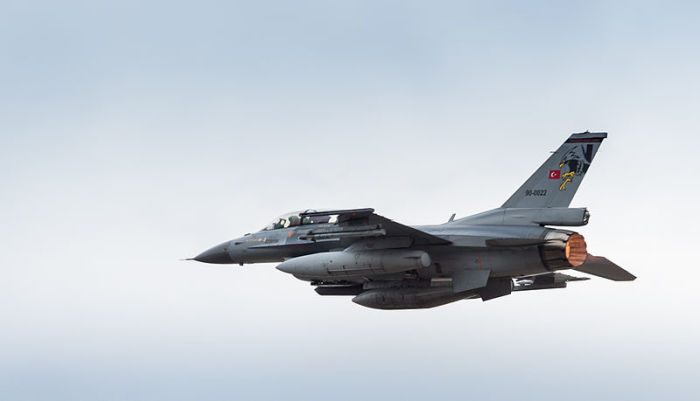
(387, 265)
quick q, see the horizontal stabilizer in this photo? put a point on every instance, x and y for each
(602, 267)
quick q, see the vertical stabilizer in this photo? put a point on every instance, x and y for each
(554, 184)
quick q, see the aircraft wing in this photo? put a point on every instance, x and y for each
(366, 223)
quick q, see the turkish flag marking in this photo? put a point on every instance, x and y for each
(554, 174)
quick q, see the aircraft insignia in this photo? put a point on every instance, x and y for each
(578, 159)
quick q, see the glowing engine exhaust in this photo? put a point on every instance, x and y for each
(563, 250)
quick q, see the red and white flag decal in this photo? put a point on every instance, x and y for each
(554, 174)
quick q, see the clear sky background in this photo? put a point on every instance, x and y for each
(137, 133)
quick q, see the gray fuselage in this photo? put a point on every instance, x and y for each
(467, 249)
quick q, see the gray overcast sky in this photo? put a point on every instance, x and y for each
(137, 133)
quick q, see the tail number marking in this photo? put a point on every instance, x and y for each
(535, 192)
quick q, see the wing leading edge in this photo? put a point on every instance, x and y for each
(366, 223)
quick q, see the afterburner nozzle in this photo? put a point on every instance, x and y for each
(563, 250)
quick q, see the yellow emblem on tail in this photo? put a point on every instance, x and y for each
(567, 178)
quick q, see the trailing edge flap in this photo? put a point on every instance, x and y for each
(602, 267)
(356, 218)
(466, 280)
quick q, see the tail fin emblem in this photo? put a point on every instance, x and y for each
(567, 178)
(578, 159)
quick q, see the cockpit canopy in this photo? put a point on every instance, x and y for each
(294, 219)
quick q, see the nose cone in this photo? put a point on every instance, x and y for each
(218, 254)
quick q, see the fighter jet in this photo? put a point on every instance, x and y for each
(383, 264)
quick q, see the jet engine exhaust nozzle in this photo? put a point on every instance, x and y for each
(563, 250)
